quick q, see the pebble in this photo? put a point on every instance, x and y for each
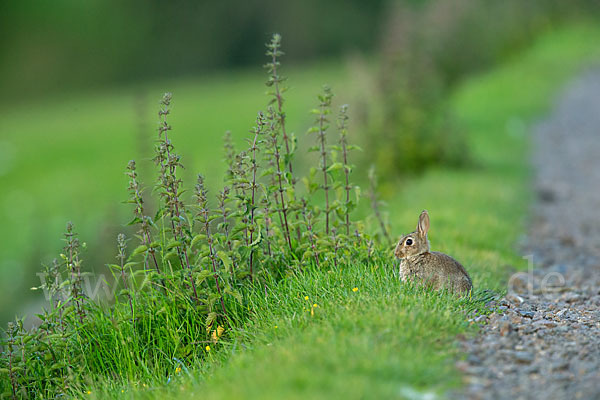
(526, 314)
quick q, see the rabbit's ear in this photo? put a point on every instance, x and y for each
(423, 225)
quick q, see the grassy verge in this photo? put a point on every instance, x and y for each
(387, 340)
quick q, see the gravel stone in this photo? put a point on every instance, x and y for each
(543, 341)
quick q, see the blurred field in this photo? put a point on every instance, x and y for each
(63, 158)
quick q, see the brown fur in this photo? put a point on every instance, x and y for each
(434, 269)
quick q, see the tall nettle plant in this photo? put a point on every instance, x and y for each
(186, 282)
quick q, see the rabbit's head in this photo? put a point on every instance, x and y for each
(415, 243)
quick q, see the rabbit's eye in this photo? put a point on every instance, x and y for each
(408, 242)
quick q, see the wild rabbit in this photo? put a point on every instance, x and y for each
(434, 269)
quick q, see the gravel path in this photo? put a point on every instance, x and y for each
(545, 342)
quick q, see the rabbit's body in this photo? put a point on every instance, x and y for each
(437, 270)
(433, 269)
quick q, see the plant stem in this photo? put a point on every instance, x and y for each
(344, 142)
(267, 225)
(279, 173)
(325, 103)
(375, 204)
(307, 219)
(324, 167)
(260, 123)
(11, 343)
(122, 245)
(172, 184)
(222, 203)
(137, 199)
(275, 80)
(203, 203)
(74, 267)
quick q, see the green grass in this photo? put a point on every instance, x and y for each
(387, 340)
(336, 349)
(64, 158)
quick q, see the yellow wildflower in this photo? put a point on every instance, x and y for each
(276, 327)
(305, 297)
(89, 392)
(207, 348)
(216, 334)
(177, 370)
(315, 305)
(355, 289)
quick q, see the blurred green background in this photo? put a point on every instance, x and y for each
(81, 83)
(68, 44)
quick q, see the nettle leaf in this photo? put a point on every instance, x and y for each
(150, 221)
(244, 251)
(210, 318)
(28, 338)
(357, 193)
(241, 274)
(202, 276)
(136, 220)
(306, 182)
(257, 240)
(212, 298)
(173, 244)
(335, 166)
(293, 141)
(159, 214)
(142, 272)
(68, 310)
(302, 246)
(351, 206)
(224, 257)
(139, 250)
(197, 238)
(268, 171)
(235, 294)
(307, 255)
(172, 255)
